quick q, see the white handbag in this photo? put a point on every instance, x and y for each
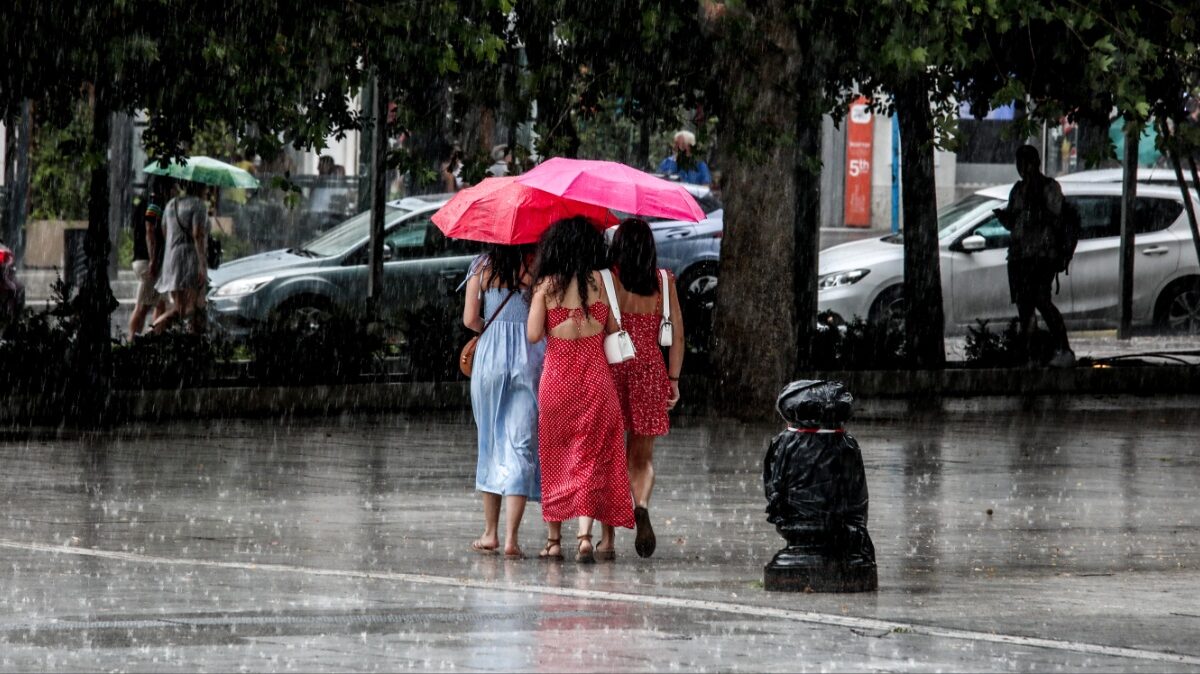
(618, 347)
(666, 330)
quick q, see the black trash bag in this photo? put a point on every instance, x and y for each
(815, 483)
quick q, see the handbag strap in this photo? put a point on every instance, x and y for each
(612, 296)
(666, 295)
(498, 310)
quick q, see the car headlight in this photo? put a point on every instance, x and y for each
(841, 278)
(243, 286)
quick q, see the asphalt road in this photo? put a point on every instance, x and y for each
(1029, 541)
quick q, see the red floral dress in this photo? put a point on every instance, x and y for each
(581, 440)
(642, 383)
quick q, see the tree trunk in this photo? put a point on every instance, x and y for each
(1128, 198)
(642, 153)
(366, 146)
(806, 233)
(754, 348)
(378, 195)
(1172, 145)
(924, 324)
(91, 375)
(16, 178)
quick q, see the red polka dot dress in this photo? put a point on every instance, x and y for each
(643, 385)
(581, 439)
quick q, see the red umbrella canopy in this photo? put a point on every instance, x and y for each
(502, 210)
(616, 186)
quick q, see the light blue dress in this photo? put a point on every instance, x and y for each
(504, 391)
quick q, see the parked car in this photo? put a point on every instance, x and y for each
(307, 284)
(12, 291)
(692, 251)
(864, 278)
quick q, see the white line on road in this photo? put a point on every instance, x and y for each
(811, 617)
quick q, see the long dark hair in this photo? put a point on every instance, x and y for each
(634, 255)
(570, 250)
(158, 190)
(506, 264)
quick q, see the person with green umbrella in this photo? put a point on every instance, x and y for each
(184, 273)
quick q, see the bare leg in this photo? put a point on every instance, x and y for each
(180, 305)
(199, 313)
(608, 538)
(553, 540)
(641, 468)
(641, 480)
(489, 541)
(137, 321)
(585, 551)
(159, 310)
(514, 507)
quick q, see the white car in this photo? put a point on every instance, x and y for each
(864, 278)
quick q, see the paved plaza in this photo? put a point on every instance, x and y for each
(1006, 541)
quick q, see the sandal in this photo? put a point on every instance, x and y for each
(519, 554)
(644, 542)
(483, 549)
(588, 557)
(551, 543)
(605, 555)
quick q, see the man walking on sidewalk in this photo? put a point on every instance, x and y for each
(1036, 215)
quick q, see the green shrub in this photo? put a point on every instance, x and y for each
(172, 359)
(35, 349)
(327, 347)
(858, 345)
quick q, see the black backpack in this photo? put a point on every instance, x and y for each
(1070, 225)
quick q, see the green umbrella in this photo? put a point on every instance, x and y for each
(205, 170)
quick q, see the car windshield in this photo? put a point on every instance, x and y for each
(347, 234)
(954, 215)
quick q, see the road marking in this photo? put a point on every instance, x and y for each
(851, 622)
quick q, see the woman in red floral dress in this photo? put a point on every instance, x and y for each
(647, 386)
(581, 437)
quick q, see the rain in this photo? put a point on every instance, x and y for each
(650, 335)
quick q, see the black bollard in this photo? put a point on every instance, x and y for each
(817, 495)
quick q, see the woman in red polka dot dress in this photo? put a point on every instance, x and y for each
(581, 437)
(647, 386)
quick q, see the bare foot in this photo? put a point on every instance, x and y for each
(513, 551)
(485, 545)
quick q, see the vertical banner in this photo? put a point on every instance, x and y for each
(860, 130)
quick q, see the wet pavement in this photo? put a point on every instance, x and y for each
(1006, 541)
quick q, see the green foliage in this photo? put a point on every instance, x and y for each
(169, 360)
(858, 345)
(35, 349)
(125, 248)
(58, 185)
(333, 347)
(985, 348)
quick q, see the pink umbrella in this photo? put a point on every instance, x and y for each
(501, 210)
(615, 186)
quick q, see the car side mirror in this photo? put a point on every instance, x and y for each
(974, 244)
(388, 253)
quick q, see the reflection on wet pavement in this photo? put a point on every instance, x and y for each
(343, 544)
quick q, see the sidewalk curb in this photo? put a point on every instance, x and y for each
(882, 394)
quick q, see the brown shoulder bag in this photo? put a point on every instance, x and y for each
(466, 360)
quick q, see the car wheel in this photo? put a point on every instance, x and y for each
(305, 315)
(888, 308)
(698, 287)
(1179, 308)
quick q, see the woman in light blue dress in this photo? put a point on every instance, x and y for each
(504, 390)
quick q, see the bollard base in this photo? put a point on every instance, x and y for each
(793, 570)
